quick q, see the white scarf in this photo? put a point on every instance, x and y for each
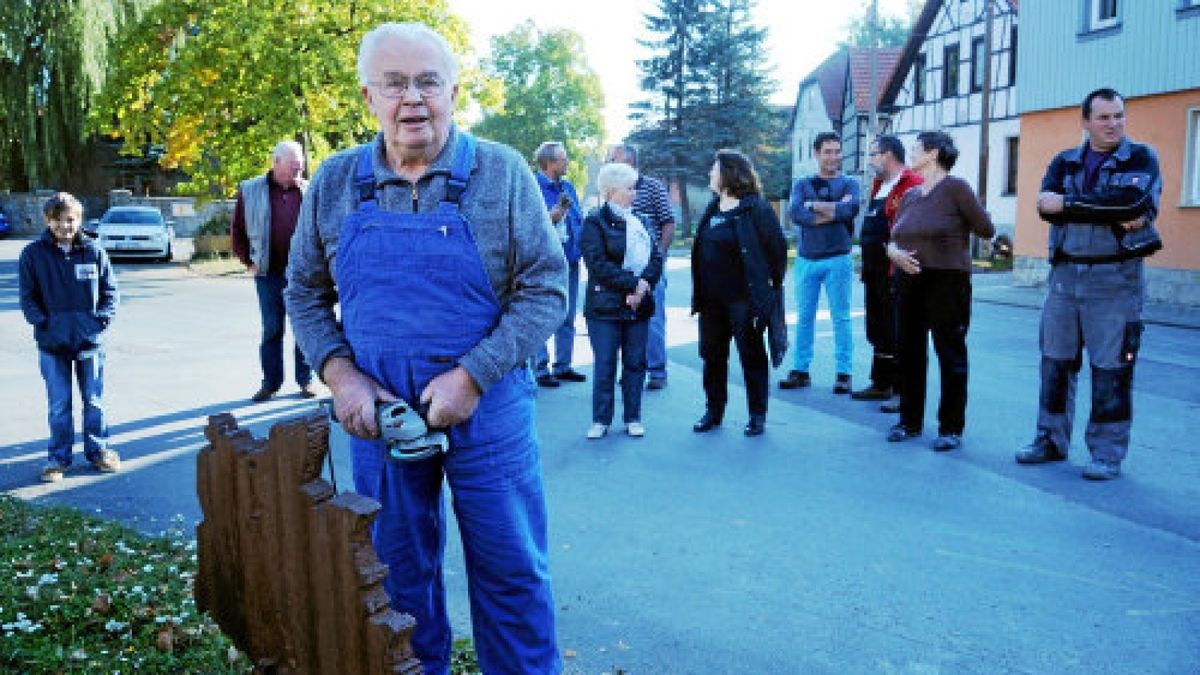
(637, 241)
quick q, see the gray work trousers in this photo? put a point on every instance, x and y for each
(1097, 306)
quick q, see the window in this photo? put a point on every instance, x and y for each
(919, 79)
(1191, 185)
(1010, 181)
(950, 72)
(1102, 14)
(1012, 57)
(978, 63)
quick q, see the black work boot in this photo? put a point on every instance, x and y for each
(795, 380)
(1040, 451)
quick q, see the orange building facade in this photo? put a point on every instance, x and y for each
(1168, 122)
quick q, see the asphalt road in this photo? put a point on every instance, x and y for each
(817, 548)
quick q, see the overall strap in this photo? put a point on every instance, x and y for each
(460, 169)
(364, 177)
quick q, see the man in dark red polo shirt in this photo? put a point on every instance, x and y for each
(264, 219)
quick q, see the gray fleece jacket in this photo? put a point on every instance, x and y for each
(521, 252)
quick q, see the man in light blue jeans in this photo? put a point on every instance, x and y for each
(823, 207)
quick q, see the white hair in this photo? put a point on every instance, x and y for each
(287, 147)
(614, 176)
(404, 31)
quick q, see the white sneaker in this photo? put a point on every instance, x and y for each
(635, 429)
(597, 431)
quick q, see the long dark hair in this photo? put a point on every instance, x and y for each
(737, 173)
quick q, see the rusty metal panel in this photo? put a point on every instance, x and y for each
(286, 566)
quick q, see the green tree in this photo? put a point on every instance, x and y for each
(892, 31)
(53, 61)
(220, 82)
(550, 94)
(708, 89)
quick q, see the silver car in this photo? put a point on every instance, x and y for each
(137, 232)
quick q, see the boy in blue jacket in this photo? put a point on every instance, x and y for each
(69, 295)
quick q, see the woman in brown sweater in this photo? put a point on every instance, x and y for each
(930, 247)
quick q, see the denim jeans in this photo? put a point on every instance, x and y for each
(274, 320)
(837, 274)
(656, 343)
(564, 336)
(89, 370)
(607, 337)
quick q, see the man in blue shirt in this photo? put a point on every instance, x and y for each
(823, 207)
(563, 204)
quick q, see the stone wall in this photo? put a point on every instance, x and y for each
(1175, 286)
(24, 209)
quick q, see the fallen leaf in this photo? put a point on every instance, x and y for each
(166, 640)
(102, 604)
(79, 655)
(105, 562)
(569, 653)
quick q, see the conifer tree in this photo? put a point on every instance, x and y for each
(707, 85)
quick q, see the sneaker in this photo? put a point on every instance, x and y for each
(872, 393)
(946, 442)
(656, 383)
(263, 394)
(570, 375)
(899, 432)
(795, 380)
(53, 472)
(307, 391)
(1099, 469)
(547, 381)
(596, 431)
(842, 384)
(1040, 451)
(635, 429)
(108, 462)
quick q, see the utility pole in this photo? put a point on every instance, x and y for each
(985, 112)
(873, 119)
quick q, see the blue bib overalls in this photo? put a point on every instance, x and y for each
(415, 298)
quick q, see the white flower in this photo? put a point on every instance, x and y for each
(47, 579)
(114, 626)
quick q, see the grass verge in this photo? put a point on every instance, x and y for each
(83, 595)
(215, 265)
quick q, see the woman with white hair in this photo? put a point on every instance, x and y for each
(623, 264)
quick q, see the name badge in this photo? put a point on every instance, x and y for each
(86, 272)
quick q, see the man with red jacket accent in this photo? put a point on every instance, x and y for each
(892, 180)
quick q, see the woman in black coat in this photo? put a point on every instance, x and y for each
(739, 259)
(623, 264)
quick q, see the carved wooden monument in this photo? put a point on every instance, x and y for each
(287, 568)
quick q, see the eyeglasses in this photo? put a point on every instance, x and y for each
(394, 85)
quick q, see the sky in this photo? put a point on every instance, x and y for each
(801, 34)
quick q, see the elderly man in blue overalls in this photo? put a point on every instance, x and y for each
(1101, 200)
(449, 276)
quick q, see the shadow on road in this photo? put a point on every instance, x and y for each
(143, 444)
